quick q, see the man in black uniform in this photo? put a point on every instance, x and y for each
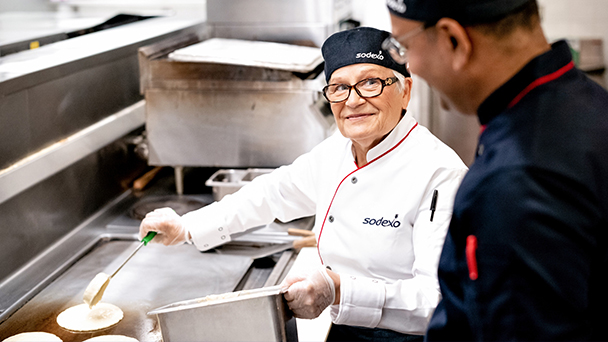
(526, 253)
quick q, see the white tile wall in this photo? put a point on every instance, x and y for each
(372, 13)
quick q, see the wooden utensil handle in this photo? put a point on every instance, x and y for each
(142, 181)
(300, 232)
(309, 241)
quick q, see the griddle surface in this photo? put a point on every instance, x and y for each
(154, 277)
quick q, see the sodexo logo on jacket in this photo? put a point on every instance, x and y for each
(382, 222)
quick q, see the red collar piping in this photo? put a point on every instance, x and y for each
(541, 80)
(343, 179)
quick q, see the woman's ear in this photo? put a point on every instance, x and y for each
(407, 92)
(456, 42)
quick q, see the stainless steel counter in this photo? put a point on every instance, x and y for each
(154, 277)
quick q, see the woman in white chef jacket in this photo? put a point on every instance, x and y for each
(370, 186)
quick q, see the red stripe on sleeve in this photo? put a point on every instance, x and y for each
(470, 250)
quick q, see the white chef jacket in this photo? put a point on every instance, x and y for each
(372, 223)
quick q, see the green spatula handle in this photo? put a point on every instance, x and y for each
(144, 242)
(148, 238)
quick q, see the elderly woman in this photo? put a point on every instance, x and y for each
(381, 190)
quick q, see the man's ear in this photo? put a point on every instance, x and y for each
(456, 41)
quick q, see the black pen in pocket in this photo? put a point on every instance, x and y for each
(434, 203)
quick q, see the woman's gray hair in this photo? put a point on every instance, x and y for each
(400, 80)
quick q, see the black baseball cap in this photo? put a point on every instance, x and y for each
(466, 12)
(358, 45)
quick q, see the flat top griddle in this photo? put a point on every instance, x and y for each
(156, 276)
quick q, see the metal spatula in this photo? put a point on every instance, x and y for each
(97, 286)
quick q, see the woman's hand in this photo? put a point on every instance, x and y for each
(167, 224)
(308, 296)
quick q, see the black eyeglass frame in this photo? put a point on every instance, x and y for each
(385, 83)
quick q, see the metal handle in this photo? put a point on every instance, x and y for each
(144, 242)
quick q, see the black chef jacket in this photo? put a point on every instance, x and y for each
(525, 257)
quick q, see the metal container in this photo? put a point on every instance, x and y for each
(253, 173)
(224, 182)
(228, 181)
(251, 315)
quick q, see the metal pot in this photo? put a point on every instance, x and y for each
(251, 315)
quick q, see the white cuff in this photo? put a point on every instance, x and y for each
(206, 227)
(361, 302)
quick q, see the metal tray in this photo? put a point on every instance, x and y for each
(251, 53)
(250, 315)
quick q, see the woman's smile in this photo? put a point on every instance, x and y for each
(358, 117)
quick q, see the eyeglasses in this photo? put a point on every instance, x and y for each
(396, 50)
(369, 87)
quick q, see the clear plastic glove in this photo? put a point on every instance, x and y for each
(167, 224)
(308, 296)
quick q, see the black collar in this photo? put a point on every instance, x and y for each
(542, 65)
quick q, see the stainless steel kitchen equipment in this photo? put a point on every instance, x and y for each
(151, 281)
(68, 110)
(305, 21)
(212, 114)
(158, 276)
(250, 315)
(72, 116)
(219, 115)
(71, 112)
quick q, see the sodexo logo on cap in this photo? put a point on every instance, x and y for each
(370, 55)
(396, 5)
